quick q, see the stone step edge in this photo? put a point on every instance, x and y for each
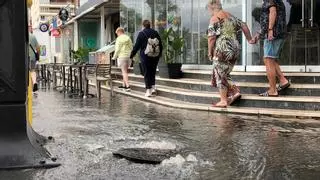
(240, 73)
(204, 107)
(240, 84)
(180, 91)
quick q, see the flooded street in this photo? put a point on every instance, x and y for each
(210, 146)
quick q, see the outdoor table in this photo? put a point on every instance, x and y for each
(57, 68)
(43, 71)
(76, 81)
(63, 77)
(41, 74)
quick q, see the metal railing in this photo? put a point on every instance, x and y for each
(54, 10)
(57, 2)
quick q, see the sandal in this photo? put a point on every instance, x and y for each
(266, 94)
(283, 87)
(234, 98)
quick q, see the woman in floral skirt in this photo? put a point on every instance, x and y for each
(224, 50)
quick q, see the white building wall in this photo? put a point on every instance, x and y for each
(43, 40)
(34, 13)
(42, 11)
(83, 1)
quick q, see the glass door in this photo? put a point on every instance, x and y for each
(312, 27)
(304, 35)
(301, 49)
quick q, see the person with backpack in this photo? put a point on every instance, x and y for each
(34, 56)
(150, 46)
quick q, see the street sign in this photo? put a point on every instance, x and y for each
(55, 33)
(63, 14)
(44, 27)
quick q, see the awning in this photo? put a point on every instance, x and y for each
(108, 48)
(87, 8)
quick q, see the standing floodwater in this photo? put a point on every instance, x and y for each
(210, 146)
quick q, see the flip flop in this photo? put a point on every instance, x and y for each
(266, 94)
(283, 87)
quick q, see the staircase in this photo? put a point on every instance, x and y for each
(194, 91)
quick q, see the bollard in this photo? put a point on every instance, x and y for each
(20, 146)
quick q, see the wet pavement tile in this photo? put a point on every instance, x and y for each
(209, 145)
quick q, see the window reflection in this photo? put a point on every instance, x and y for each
(189, 18)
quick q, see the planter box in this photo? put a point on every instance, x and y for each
(172, 71)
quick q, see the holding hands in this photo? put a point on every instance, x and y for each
(255, 39)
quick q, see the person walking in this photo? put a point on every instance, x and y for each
(34, 52)
(224, 50)
(273, 31)
(150, 46)
(123, 49)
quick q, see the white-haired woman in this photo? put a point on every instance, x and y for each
(224, 50)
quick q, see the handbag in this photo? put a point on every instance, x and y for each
(35, 53)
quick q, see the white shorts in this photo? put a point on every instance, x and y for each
(124, 61)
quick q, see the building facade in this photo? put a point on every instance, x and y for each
(43, 11)
(190, 18)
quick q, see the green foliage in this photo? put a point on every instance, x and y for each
(81, 55)
(172, 45)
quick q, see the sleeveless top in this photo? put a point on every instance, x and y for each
(227, 46)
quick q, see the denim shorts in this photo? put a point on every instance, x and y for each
(272, 48)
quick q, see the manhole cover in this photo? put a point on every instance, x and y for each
(145, 155)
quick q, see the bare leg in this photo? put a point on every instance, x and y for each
(223, 98)
(223, 79)
(283, 80)
(233, 94)
(33, 77)
(271, 74)
(124, 70)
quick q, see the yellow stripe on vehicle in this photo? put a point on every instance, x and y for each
(29, 101)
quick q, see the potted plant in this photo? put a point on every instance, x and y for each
(81, 55)
(170, 66)
(137, 66)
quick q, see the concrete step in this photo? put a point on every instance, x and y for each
(310, 103)
(169, 102)
(295, 78)
(258, 77)
(246, 87)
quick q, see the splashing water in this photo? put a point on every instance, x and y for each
(158, 145)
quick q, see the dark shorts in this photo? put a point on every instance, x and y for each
(32, 65)
(272, 48)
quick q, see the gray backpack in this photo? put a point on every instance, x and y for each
(153, 47)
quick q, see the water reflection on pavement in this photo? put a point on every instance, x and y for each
(211, 146)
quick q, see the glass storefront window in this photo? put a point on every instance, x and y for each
(254, 52)
(67, 43)
(301, 46)
(89, 36)
(189, 18)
